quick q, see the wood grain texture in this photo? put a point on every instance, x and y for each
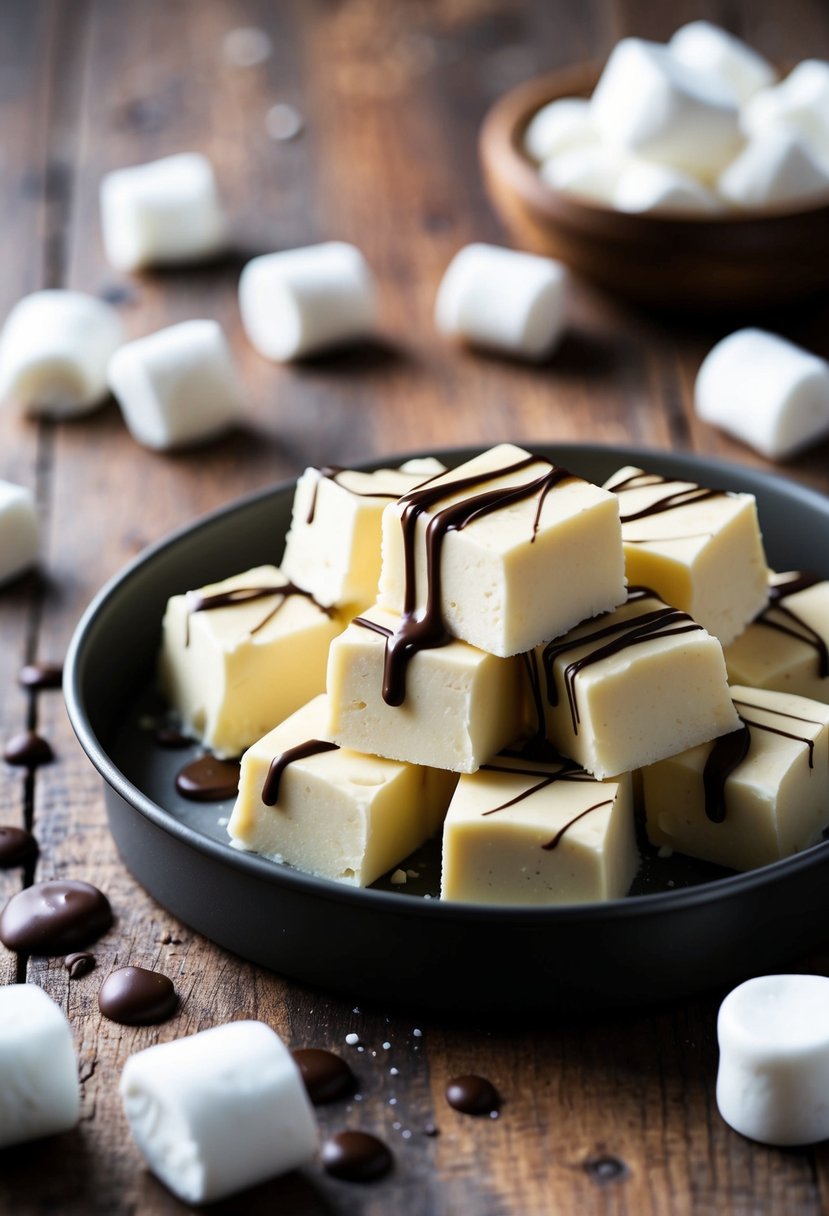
(609, 1114)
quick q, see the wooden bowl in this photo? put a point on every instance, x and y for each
(722, 263)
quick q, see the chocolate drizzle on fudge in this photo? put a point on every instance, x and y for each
(426, 630)
(197, 601)
(793, 625)
(670, 502)
(311, 747)
(331, 472)
(569, 771)
(661, 622)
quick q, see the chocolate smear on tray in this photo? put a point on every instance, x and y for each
(356, 1157)
(17, 846)
(302, 751)
(793, 625)
(670, 502)
(79, 963)
(208, 779)
(472, 1095)
(28, 750)
(135, 996)
(55, 917)
(40, 676)
(326, 1075)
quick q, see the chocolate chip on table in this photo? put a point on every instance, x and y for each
(79, 963)
(28, 750)
(472, 1095)
(136, 996)
(17, 846)
(40, 676)
(54, 917)
(326, 1075)
(356, 1156)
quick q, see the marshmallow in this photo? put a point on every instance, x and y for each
(707, 48)
(303, 301)
(777, 166)
(54, 351)
(164, 212)
(39, 1090)
(177, 386)
(644, 186)
(774, 1059)
(219, 1111)
(766, 391)
(561, 124)
(801, 102)
(18, 530)
(507, 301)
(648, 102)
(592, 171)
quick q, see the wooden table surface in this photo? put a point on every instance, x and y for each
(611, 1113)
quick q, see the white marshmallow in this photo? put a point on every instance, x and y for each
(561, 124)
(162, 213)
(592, 171)
(644, 186)
(506, 301)
(54, 351)
(219, 1111)
(801, 102)
(773, 1076)
(766, 391)
(303, 301)
(648, 102)
(18, 530)
(775, 167)
(39, 1090)
(177, 386)
(707, 48)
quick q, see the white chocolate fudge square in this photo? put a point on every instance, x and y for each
(460, 705)
(240, 655)
(771, 804)
(505, 551)
(331, 811)
(638, 684)
(333, 546)
(526, 832)
(699, 549)
(787, 646)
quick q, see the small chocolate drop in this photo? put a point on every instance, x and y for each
(78, 964)
(39, 676)
(472, 1095)
(169, 737)
(54, 917)
(356, 1157)
(16, 847)
(135, 996)
(208, 779)
(28, 750)
(326, 1075)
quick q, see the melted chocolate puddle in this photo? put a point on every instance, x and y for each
(134, 996)
(207, 779)
(54, 917)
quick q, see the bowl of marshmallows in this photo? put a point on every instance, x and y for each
(690, 174)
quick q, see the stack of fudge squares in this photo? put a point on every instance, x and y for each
(517, 656)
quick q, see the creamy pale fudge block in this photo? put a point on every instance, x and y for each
(753, 796)
(240, 655)
(333, 546)
(787, 646)
(461, 705)
(331, 811)
(631, 687)
(505, 551)
(699, 549)
(524, 832)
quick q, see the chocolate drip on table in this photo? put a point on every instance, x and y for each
(135, 996)
(428, 631)
(311, 747)
(633, 631)
(197, 602)
(55, 917)
(670, 502)
(799, 629)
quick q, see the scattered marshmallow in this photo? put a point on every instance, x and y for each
(18, 531)
(650, 103)
(219, 1111)
(592, 171)
(644, 186)
(801, 102)
(54, 351)
(707, 48)
(774, 1059)
(766, 391)
(507, 301)
(177, 386)
(246, 46)
(777, 166)
(303, 301)
(162, 213)
(561, 124)
(39, 1090)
